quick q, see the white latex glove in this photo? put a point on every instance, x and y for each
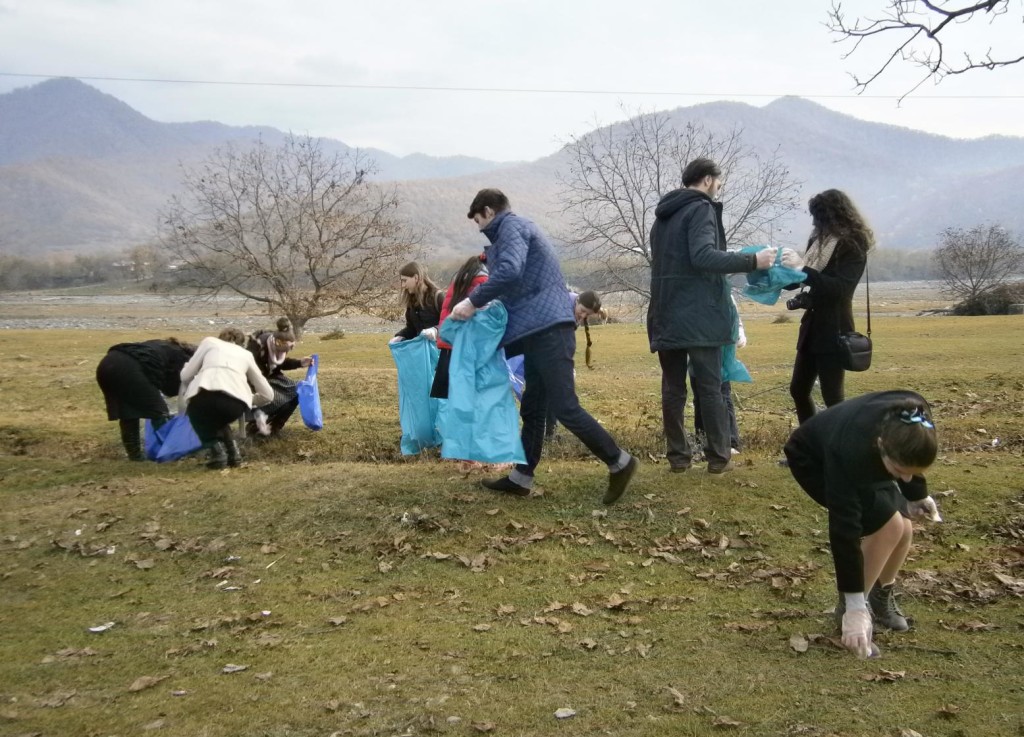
(766, 257)
(924, 509)
(741, 341)
(396, 339)
(791, 259)
(463, 310)
(429, 334)
(857, 632)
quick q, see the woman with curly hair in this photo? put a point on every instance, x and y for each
(835, 259)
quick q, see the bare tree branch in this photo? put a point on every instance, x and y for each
(618, 173)
(914, 28)
(289, 227)
(973, 262)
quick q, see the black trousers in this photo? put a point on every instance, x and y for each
(705, 368)
(827, 369)
(211, 414)
(548, 376)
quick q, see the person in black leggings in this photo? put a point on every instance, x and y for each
(834, 262)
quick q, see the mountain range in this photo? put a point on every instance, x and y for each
(82, 171)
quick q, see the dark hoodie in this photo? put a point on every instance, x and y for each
(690, 304)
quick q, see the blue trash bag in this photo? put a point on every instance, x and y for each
(765, 285)
(416, 360)
(516, 375)
(175, 439)
(480, 422)
(309, 397)
(732, 368)
(150, 442)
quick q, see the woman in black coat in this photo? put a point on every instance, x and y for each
(835, 259)
(422, 301)
(270, 348)
(864, 461)
(135, 378)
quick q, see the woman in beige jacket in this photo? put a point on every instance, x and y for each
(216, 391)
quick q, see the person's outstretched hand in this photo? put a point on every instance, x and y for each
(396, 339)
(791, 259)
(924, 509)
(857, 632)
(463, 310)
(766, 257)
(306, 361)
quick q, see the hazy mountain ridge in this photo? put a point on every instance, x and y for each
(81, 170)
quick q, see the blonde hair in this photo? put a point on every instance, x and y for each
(426, 290)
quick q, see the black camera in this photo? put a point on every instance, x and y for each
(802, 301)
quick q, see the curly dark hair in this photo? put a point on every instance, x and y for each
(834, 214)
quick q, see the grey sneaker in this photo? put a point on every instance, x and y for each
(884, 609)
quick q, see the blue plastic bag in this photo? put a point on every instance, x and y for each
(732, 368)
(516, 374)
(480, 421)
(175, 439)
(309, 397)
(765, 285)
(416, 360)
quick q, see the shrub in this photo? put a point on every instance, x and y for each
(995, 301)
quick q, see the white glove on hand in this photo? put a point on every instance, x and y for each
(924, 508)
(396, 339)
(741, 341)
(463, 310)
(429, 334)
(791, 259)
(857, 632)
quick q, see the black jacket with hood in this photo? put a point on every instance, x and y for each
(690, 303)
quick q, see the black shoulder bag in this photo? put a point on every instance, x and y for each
(854, 347)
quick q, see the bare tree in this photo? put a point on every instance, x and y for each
(618, 173)
(305, 233)
(919, 31)
(973, 262)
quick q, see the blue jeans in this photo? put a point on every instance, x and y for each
(548, 376)
(705, 368)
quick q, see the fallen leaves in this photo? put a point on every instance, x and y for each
(143, 682)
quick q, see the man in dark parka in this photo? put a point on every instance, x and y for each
(690, 315)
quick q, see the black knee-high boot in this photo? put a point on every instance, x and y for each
(131, 440)
(218, 455)
(234, 455)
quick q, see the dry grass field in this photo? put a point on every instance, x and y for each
(333, 587)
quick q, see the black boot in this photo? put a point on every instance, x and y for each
(218, 455)
(131, 440)
(234, 454)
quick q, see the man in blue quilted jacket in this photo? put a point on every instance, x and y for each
(526, 277)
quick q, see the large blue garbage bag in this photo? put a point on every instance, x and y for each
(765, 285)
(480, 422)
(175, 439)
(308, 391)
(732, 368)
(416, 360)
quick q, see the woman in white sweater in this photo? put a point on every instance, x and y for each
(217, 387)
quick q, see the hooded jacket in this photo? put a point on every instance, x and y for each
(525, 276)
(690, 297)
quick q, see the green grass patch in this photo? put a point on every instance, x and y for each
(369, 594)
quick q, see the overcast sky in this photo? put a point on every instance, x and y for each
(610, 51)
